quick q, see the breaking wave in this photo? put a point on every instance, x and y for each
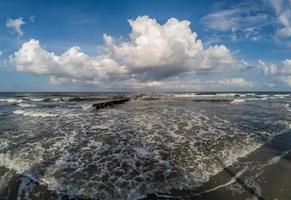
(26, 105)
(238, 101)
(11, 100)
(33, 113)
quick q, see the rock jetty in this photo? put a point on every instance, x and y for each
(109, 103)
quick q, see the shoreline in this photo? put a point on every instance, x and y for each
(276, 158)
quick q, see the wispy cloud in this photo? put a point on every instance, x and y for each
(16, 25)
(32, 18)
(243, 21)
(282, 9)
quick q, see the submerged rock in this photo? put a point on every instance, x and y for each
(150, 98)
(212, 100)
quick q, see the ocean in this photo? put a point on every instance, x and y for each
(155, 146)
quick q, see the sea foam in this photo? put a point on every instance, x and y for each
(11, 100)
(33, 113)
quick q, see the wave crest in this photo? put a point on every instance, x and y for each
(33, 113)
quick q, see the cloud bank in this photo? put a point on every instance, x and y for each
(153, 54)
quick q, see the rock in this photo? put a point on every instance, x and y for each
(139, 96)
(109, 103)
(213, 100)
(150, 98)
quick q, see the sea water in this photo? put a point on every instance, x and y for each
(54, 145)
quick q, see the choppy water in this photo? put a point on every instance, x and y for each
(56, 146)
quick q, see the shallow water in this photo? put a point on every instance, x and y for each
(55, 147)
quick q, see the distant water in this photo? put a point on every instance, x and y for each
(55, 145)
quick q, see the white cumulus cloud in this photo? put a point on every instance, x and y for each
(153, 52)
(287, 66)
(160, 51)
(268, 68)
(280, 71)
(275, 69)
(73, 63)
(16, 25)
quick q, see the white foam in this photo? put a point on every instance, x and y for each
(282, 106)
(185, 95)
(197, 95)
(33, 113)
(56, 99)
(86, 106)
(226, 94)
(261, 98)
(73, 115)
(276, 159)
(4, 144)
(287, 107)
(238, 101)
(281, 96)
(231, 181)
(11, 100)
(26, 105)
(36, 99)
(246, 94)
(262, 95)
(16, 162)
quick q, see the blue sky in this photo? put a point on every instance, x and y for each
(91, 46)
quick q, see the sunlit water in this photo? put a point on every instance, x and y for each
(52, 145)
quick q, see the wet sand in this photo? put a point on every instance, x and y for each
(264, 174)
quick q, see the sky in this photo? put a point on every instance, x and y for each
(145, 45)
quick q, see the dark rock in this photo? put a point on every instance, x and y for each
(147, 97)
(139, 96)
(213, 100)
(206, 93)
(109, 103)
(151, 98)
